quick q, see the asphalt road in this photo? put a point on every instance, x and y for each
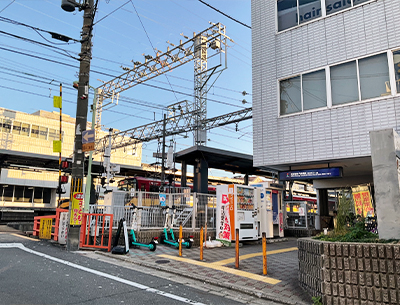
(41, 272)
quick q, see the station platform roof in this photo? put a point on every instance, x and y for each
(230, 161)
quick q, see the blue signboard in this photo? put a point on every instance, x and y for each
(88, 136)
(332, 172)
(163, 199)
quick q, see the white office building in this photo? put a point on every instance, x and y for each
(325, 74)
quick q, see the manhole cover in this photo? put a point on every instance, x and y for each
(162, 261)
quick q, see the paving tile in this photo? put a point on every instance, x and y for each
(281, 266)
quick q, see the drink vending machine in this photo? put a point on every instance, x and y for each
(237, 208)
(271, 216)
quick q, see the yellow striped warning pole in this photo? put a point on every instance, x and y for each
(201, 243)
(237, 249)
(180, 240)
(264, 247)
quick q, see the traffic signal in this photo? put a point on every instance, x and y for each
(64, 179)
(66, 166)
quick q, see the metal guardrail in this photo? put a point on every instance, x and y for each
(193, 210)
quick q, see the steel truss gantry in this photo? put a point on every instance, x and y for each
(181, 123)
(194, 48)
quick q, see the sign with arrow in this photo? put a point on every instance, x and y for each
(88, 137)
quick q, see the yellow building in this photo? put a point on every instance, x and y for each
(22, 135)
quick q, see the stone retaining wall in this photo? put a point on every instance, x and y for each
(350, 273)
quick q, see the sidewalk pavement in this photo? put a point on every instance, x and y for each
(218, 268)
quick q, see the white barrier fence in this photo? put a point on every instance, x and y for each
(193, 210)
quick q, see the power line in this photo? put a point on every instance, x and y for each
(37, 30)
(39, 43)
(113, 76)
(152, 46)
(217, 10)
(111, 12)
(7, 6)
(50, 46)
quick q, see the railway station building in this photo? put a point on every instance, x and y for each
(326, 73)
(29, 167)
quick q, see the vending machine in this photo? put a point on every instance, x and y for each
(264, 216)
(273, 193)
(237, 208)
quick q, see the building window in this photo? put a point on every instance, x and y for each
(54, 134)
(46, 195)
(35, 131)
(290, 95)
(5, 125)
(304, 92)
(396, 61)
(25, 129)
(38, 195)
(8, 192)
(353, 81)
(294, 12)
(287, 14)
(314, 90)
(344, 83)
(374, 75)
(28, 193)
(16, 127)
(373, 80)
(333, 6)
(43, 133)
(19, 194)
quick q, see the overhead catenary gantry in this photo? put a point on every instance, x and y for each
(184, 116)
(194, 48)
(178, 124)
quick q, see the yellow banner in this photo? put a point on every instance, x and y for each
(368, 210)
(45, 228)
(56, 146)
(363, 204)
(76, 209)
(57, 102)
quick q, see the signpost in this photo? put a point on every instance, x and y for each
(321, 173)
(88, 138)
(45, 228)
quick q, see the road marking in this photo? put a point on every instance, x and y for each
(26, 237)
(265, 279)
(19, 235)
(111, 277)
(242, 257)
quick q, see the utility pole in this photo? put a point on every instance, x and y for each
(89, 170)
(81, 120)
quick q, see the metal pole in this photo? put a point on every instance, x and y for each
(264, 248)
(163, 155)
(59, 159)
(237, 249)
(180, 240)
(89, 174)
(107, 155)
(201, 243)
(81, 116)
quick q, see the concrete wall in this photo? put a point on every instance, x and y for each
(327, 133)
(385, 152)
(350, 273)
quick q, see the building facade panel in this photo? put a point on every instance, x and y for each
(351, 46)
